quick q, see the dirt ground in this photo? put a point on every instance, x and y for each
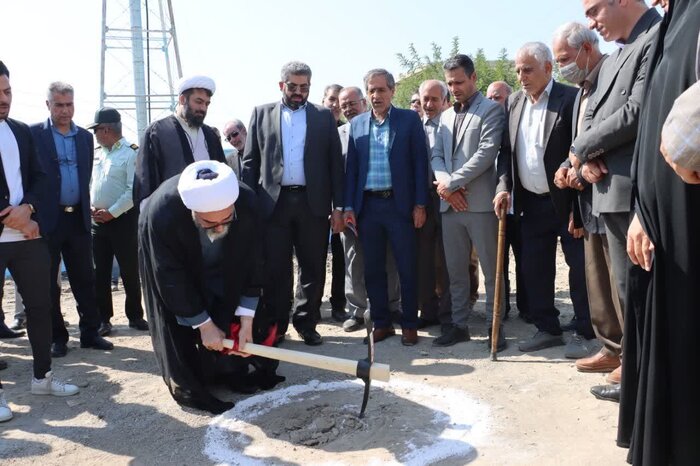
(447, 406)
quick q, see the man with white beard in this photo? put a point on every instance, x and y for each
(201, 266)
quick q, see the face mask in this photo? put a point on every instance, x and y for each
(572, 72)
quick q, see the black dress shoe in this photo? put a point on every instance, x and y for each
(3, 365)
(206, 403)
(5, 332)
(452, 337)
(425, 323)
(18, 324)
(607, 392)
(139, 324)
(526, 317)
(310, 336)
(59, 349)
(97, 342)
(105, 329)
(339, 315)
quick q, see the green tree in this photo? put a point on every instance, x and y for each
(418, 68)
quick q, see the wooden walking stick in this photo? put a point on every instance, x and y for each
(496, 324)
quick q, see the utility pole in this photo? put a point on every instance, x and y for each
(137, 72)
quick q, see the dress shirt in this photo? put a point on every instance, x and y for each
(9, 151)
(431, 125)
(113, 178)
(460, 114)
(293, 127)
(379, 171)
(67, 164)
(195, 136)
(530, 143)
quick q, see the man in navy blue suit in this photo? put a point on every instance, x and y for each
(386, 193)
(66, 152)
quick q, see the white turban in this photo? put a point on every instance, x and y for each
(198, 82)
(200, 194)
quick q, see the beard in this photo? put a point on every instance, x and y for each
(211, 234)
(294, 104)
(195, 120)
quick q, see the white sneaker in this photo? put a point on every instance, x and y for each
(5, 412)
(51, 386)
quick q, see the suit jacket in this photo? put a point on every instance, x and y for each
(557, 140)
(611, 118)
(165, 151)
(32, 170)
(263, 162)
(471, 164)
(46, 150)
(408, 161)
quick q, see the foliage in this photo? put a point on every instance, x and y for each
(418, 68)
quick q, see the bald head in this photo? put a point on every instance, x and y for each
(499, 91)
(433, 95)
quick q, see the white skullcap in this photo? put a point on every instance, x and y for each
(208, 195)
(198, 81)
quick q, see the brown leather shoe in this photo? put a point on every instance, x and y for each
(615, 376)
(409, 336)
(602, 361)
(380, 334)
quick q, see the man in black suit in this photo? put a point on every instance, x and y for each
(66, 152)
(293, 160)
(22, 250)
(539, 125)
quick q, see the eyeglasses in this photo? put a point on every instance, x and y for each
(349, 104)
(97, 128)
(293, 87)
(233, 134)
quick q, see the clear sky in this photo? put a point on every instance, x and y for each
(243, 44)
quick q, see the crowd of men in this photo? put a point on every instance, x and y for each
(412, 199)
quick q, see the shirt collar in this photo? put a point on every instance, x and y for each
(286, 107)
(388, 115)
(463, 108)
(435, 121)
(593, 74)
(72, 132)
(545, 93)
(117, 145)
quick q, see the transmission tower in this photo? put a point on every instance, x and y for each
(137, 73)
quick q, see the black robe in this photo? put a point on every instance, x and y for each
(660, 407)
(171, 265)
(164, 152)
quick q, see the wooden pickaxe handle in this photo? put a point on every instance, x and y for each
(377, 371)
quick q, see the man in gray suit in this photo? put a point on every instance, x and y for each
(292, 159)
(352, 103)
(604, 147)
(463, 161)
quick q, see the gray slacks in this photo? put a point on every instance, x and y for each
(461, 230)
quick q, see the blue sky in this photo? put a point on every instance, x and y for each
(243, 44)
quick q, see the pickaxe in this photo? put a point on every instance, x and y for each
(365, 369)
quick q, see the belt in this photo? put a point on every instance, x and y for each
(384, 194)
(293, 187)
(69, 208)
(538, 195)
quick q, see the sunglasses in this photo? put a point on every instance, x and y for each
(293, 87)
(232, 135)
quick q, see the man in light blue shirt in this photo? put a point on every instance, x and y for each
(114, 220)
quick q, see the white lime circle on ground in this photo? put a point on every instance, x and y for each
(406, 423)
